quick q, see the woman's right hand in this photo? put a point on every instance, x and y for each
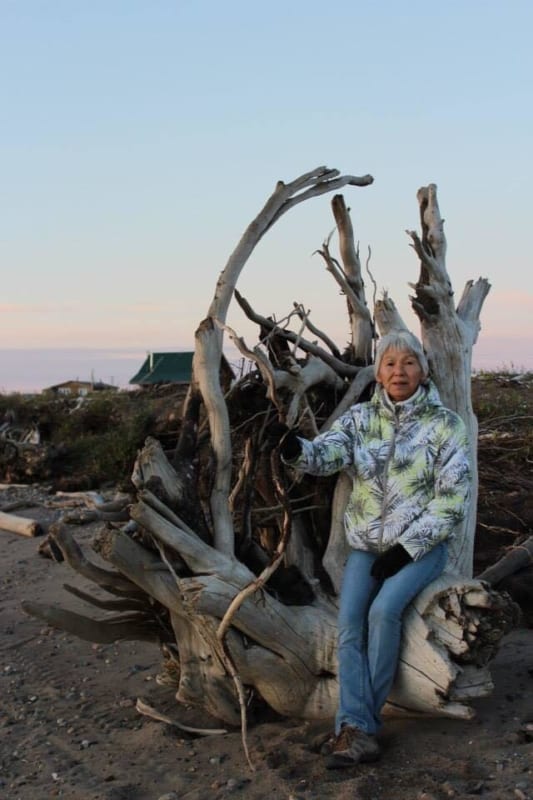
(281, 436)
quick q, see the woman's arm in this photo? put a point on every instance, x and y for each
(328, 452)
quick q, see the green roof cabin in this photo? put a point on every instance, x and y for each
(176, 368)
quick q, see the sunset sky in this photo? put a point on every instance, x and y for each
(139, 139)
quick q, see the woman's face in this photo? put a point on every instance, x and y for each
(400, 374)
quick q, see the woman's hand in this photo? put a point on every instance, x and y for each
(390, 562)
(279, 435)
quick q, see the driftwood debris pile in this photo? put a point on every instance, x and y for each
(230, 562)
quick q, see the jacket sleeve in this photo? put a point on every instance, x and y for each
(447, 509)
(329, 452)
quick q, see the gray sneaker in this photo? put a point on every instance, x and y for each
(352, 746)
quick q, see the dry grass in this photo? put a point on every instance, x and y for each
(503, 403)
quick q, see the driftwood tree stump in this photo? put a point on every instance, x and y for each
(230, 562)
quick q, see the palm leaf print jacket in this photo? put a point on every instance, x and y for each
(410, 468)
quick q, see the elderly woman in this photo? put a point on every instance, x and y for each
(408, 458)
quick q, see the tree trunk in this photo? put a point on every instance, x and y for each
(448, 335)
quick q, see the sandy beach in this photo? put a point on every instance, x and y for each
(70, 727)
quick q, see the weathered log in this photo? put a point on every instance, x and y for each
(80, 516)
(435, 654)
(105, 631)
(20, 525)
(338, 548)
(66, 499)
(126, 604)
(153, 468)
(90, 506)
(517, 557)
(111, 581)
(16, 504)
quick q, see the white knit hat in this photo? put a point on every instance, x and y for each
(401, 340)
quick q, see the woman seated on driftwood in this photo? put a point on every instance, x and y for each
(408, 456)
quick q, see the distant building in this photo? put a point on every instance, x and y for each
(77, 388)
(172, 368)
(164, 368)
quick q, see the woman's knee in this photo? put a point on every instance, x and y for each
(382, 611)
(352, 629)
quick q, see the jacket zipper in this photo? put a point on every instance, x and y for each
(385, 478)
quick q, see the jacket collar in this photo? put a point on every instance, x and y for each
(426, 394)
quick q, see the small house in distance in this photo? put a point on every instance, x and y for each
(164, 368)
(173, 368)
(76, 388)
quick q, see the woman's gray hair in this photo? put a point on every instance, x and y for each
(403, 341)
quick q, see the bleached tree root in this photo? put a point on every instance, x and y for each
(287, 655)
(184, 560)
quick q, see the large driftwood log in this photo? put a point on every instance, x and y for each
(517, 557)
(287, 654)
(243, 593)
(20, 525)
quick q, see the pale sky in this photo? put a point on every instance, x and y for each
(139, 139)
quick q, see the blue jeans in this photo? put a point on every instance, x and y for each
(369, 632)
